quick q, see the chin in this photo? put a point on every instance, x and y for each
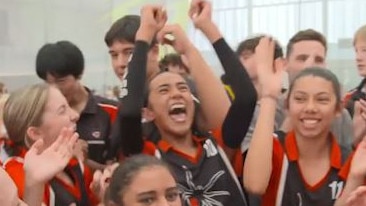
(179, 130)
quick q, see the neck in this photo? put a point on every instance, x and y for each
(315, 147)
(79, 99)
(182, 143)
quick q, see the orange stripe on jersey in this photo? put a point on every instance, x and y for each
(270, 197)
(348, 96)
(111, 110)
(165, 146)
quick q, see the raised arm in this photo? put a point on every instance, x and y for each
(153, 19)
(356, 175)
(53, 160)
(212, 93)
(258, 163)
(240, 114)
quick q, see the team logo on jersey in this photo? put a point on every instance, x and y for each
(96, 134)
(203, 194)
(210, 148)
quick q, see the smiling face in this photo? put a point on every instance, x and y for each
(170, 104)
(312, 106)
(57, 115)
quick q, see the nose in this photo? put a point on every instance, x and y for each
(175, 93)
(310, 106)
(121, 62)
(310, 62)
(163, 202)
(358, 56)
(74, 116)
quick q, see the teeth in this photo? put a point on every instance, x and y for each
(310, 121)
(177, 106)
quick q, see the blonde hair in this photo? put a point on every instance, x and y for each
(23, 109)
(360, 34)
(3, 99)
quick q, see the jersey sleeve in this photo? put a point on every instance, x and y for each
(240, 114)
(130, 115)
(14, 167)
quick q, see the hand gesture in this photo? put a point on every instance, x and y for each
(42, 164)
(200, 12)
(357, 197)
(359, 120)
(101, 180)
(153, 19)
(176, 37)
(270, 72)
(80, 150)
(358, 164)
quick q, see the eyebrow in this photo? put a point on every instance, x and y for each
(125, 49)
(320, 93)
(141, 194)
(173, 189)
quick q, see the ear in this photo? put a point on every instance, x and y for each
(34, 133)
(148, 114)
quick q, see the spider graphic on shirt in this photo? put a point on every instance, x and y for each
(202, 193)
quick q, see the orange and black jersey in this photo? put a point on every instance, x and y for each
(354, 95)
(208, 171)
(204, 179)
(95, 126)
(287, 185)
(57, 192)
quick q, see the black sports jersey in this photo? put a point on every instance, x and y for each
(95, 126)
(205, 180)
(287, 185)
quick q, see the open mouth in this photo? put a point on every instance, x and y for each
(178, 112)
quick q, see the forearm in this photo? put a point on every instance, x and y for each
(33, 192)
(258, 163)
(130, 114)
(353, 181)
(211, 31)
(243, 106)
(211, 92)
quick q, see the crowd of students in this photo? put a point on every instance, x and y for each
(177, 134)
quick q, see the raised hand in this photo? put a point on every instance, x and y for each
(357, 197)
(101, 180)
(200, 12)
(80, 150)
(153, 18)
(42, 164)
(358, 165)
(359, 121)
(270, 71)
(175, 36)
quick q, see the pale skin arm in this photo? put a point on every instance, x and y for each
(356, 175)
(258, 163)
(54, 159)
